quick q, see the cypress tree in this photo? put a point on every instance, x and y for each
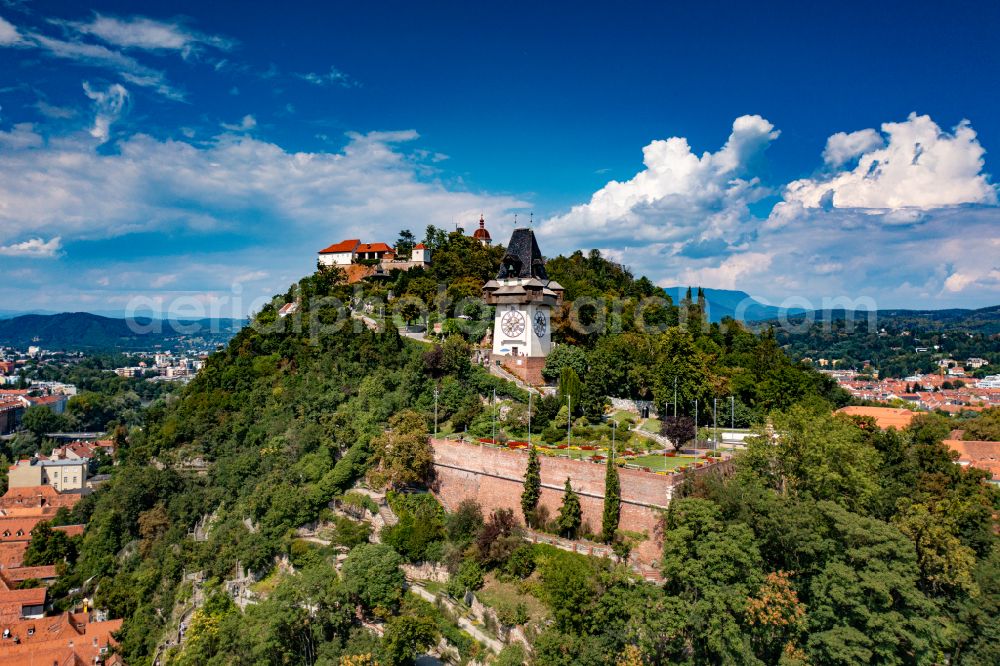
(570, 513)
(532, 486)
(612, 502)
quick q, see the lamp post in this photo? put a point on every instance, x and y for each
(715, 423)
(614, 428)
(437, 392)
(494, 439)
(675, 397)
(529, 418)
(569, 418)
(696, 423)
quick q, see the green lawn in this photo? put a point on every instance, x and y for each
(659, 463)
(651, 425)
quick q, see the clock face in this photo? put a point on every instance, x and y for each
(512, 323)
(540, 324)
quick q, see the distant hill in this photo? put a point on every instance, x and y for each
(83, 330)
(739, 305)
(983, 320)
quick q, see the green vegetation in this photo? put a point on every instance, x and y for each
(570, 513)
(891, 343)
(532, 487)
(832, 543)
(612, 504)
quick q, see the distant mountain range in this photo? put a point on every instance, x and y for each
(739, 305)
(84, 330)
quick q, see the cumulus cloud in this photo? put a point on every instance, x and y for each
(678, 197)
(33, 248)
(233, 184)
(139, 32)
(844, 146)
(110, 104)
(20, 137)
(9, 35)
(246, 124)
(926, 232)
(920, 166)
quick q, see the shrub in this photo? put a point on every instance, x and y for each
(521, 562)
(349, 533)
(469, 577)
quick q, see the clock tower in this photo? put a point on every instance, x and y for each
(523, 296)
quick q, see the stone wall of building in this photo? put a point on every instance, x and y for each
(494, 477)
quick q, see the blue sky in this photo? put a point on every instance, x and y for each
(201, 154)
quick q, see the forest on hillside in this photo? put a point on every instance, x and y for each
(898, 344)
(833, 543)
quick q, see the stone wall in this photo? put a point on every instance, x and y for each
(634, 406)
(494, 477)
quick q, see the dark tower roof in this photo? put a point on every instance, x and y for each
(523, 258)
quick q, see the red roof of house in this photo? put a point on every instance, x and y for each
(17, 529)
(67, 639)
(979, 454)
(373, 247)
(419, 246)
(885, 417)
(342, 246)
(21, 574)
(33, 596)
(46, 399)
(12, 553)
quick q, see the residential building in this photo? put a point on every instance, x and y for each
(339, 254)
(65, 639)
(55, 402)
(885, 417)
(979, 454)
(11, 411)
(975, 363)
(989, 382)
(62, 475)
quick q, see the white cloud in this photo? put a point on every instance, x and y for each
(33, 248)
(679, 197)
(230, 185)
(110, 104)
(164, 280)
(247, 123)
(843, 146)
(96, 55)
(334, 77)
(53, 111)
(9, 35)
(921, 166)
(730, 273)
(685, 220)
(144, 33)
(22, 136)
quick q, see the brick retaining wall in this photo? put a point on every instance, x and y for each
(494, 477)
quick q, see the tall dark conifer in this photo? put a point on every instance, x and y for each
(570, 513)
(612, 502)
(532, 486)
